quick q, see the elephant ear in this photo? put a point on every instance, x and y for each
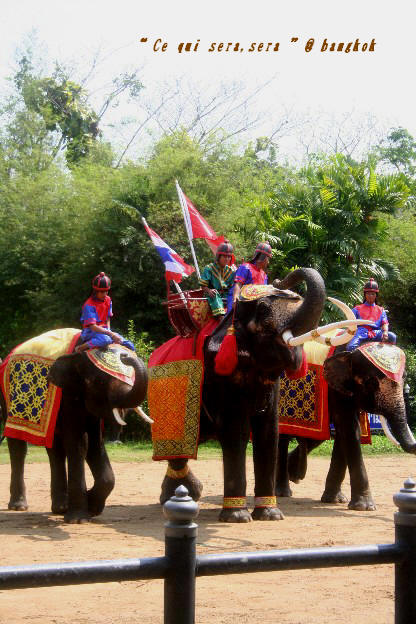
(338, 373)
(64, 373)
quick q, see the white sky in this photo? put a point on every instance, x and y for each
(381, 82)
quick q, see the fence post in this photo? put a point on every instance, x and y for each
(405, 571)
(180, 550)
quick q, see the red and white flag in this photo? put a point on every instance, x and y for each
(197, 226)
(175, 266)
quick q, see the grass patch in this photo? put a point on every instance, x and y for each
(142, 451)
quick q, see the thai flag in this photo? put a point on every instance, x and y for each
(175, 267)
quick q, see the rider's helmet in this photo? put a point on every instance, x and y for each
(101, 282)
(371, 286)
(224, 249)
(262, 251)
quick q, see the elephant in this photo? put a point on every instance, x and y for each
(269, 331)
(354, 384)
(88, 396)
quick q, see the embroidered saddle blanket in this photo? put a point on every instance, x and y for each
(176, 374)
(32, 403)
(303, 402)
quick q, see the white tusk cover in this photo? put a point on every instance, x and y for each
(143, 415)
(117, 416)
(315, 334)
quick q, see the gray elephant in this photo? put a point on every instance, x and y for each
(355, 383)
(89, 394)
(269, 325)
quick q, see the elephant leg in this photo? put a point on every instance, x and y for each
(234, 437)
(99, 463)
(76, 451)
(336, 475)
(265, 439)
(361, 498)
(59, 481)
(17, 451)
(298, 458)
(178, 473)
(282, 474)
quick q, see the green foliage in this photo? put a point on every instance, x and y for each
(399, 295)
(399, 150)
(62, 105)
(144, 345)
(330, 216)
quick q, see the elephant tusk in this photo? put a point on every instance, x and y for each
(343, 306)
(316, 334)
(143, 415)
(117, 416)
(387, 431)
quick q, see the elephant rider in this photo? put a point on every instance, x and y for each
(252, 272)
(95, 317)
(369, 310)
(217, 278)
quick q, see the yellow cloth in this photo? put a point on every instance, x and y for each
(316, 353)
(51, 344)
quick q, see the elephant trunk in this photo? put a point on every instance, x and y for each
(134, 396)
(401, 431)
(308, 314)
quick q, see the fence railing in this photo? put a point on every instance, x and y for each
(180, 565)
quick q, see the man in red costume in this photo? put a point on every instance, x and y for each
(253, 272)
(370, 311)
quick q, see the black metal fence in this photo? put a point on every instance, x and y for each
(180, 566)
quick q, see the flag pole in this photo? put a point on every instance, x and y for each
(186, 218)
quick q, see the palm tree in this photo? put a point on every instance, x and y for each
(329, 216)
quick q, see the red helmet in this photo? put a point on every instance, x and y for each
(264, 248)
(224, 249)
(101, 282)
(371, 286)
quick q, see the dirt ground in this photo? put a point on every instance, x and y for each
(132, 526)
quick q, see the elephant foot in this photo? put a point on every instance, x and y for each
(60, 506)
(192, 484)
(235, 515)
(283, 490)
(77, 517)
(362, 503)
(96, 503)
(18, 504)
(330, 497)
(267, 513)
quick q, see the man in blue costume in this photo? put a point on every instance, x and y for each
(95, 317)
(370, 311)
